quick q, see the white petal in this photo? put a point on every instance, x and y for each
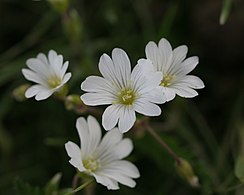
(95, 133)
(143, 77)
(108, 143)
(150, 82)
(58, 64)
(33, 90)
(77, 165)
(169, 92)
(125, 167)
(138, 75)
(123, 149)
(107, 69)
(42, 57)
(179, 54)
(94, 99)
(166, 55)
(44, 94)
(152, 53)
(66, 78)
(32, 76)
(52, 55)
(75, 154)
(185, 91)
(127, 119)
(145, 65)
(39, 67)
(73, 150)
(147, 108)
(97, 84)
(110, 116)
(122, 66)
(118, 151)
(82, 128)
(64, 69)
(188, 65)
(111, 184)
(125, 180)
(192, 82)
(155, 96)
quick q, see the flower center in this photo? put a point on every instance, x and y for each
(126, 96)
(54, 81)
(166, 81)
(91, 165)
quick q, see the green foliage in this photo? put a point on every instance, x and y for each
(24, 188)
(51, 188)
(239, 168)
(225, 11)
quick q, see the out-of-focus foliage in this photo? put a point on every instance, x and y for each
(206, 130)
(225, 11)
(239, 168)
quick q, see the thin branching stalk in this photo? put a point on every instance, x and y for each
(163, 143)
(80, 187)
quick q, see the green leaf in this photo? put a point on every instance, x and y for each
(52, 186)
(23, 188)
(239, 168)
(225, 11)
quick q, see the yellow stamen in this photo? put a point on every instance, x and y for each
(126, 96)
(166, 81)
(91, 165)
(54, 81)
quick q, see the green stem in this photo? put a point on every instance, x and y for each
(163, 143)
(80, 187)
(75, 180)
(234, 187)
(225, 11)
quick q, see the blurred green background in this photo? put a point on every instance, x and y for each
(208, 130)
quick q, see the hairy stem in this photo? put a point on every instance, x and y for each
(163, 143)
(80, 187)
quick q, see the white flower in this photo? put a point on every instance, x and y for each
(127, 92)
(48, 73)
(102, 159)
(174, 68)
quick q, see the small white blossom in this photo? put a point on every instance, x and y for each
(102, 159)
(48, 73)
(174, 68)
(127, 91)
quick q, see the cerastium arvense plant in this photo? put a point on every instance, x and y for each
(153, 81)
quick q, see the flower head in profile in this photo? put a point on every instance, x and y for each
(127, 92)
(174, 68)
(102, 158)
(49, 74)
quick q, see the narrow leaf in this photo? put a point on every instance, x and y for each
(225, 11)
(239, 168)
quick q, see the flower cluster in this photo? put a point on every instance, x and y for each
(49, 74)
(102, 158)
(174, 69)
(157, 79)
(126, 91)
(154, 80)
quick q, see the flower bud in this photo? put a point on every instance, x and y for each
(73, 26)
(73, 102)
(19, 92)
(62, 92)
(185, 170)
(59, 5)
